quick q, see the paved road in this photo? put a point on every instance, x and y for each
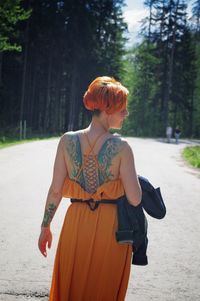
(173, 272)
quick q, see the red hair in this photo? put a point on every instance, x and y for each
(105, 94)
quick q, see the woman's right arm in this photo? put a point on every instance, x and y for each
(53, 198)
(129, 176)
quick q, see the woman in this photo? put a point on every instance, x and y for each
(92, 164)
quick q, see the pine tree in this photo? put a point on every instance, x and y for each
(65, 44)
(196, 94)
(164, 72)
(11, 13)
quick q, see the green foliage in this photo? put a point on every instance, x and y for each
(141, 82)
(196, 16)
(192, 155)
(163, 74)
(65, 45)
(197, 92)
(11, 13)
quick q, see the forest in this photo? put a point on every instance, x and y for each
(51, 50)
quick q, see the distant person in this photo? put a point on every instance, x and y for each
(177, 134)
(169, 133)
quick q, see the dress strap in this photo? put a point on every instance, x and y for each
(93, 145)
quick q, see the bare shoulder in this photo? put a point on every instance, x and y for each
(124, 145)
(71, 144)
(115, 141)
(127, 153)
(70, 136)
(116, 137)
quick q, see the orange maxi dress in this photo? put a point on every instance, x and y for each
(90, 265)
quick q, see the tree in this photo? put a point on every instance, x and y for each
(196, 94)
(164, 72)
(65, 44)
(11, 13)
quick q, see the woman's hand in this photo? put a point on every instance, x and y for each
(45, 240)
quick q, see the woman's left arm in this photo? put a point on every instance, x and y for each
(53, 198)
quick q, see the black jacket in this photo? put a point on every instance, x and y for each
(132, 223)
(152, 200)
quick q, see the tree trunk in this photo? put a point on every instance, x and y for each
(170, 70)
(73, 97)
(1, 62)
(150, 20)
(48, 94)
(21, 116)
(192, 110)
(32, 92)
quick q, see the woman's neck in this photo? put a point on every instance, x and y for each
(98, 126)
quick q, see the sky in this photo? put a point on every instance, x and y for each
(133, 12)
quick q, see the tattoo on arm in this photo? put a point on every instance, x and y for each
(48, 214)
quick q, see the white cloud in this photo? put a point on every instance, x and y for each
(132, 18)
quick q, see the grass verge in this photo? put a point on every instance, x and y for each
(6, 142)
(192, 155)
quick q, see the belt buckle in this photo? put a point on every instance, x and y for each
(92, 204)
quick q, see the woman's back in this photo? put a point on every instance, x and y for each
(92, 161)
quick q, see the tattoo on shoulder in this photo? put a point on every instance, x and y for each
(109, 150)
(74, 152)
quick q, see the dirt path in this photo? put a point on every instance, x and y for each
(173, 272)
